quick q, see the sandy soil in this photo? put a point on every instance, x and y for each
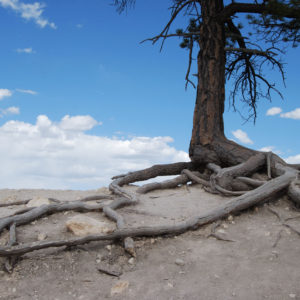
(189, 266)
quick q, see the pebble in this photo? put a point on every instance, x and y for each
(152, 241)
(108, 247)
(230, 218)
(293, 296)
(119, 288)
(131, 261)
(179, 262)
(41, 236)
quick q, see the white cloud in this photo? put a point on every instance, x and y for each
(294, 114)
(273, 111)
(79, 26)
(270, 149)
(29, 11)
(293, 159)
(31, 92)
(78, 123)
(13, 110)
(25, 50)
(5, 93)
(53, 155)
(242, 136)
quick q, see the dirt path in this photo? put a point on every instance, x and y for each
(189, 266)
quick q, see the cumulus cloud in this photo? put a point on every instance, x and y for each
(31, 92)
(13, 110)
(270, 149)
(61, 154)
(242, 136)
(25, 50)
(78, 123)
(293, 159)
(273, 111)
(5, 93)
(294, 114)
(29, 11)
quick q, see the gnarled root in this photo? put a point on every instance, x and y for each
(263, 192)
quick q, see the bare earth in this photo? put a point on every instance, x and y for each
(189, 266)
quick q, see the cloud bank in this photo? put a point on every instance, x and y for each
(29, 11)
(242, 136)
(62, 155)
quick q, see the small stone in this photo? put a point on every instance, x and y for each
(119, 288)
(81, 225)
(38, 201)
(230, 218)
(104, 190)
(131, 261)
(152, 241)
(14, 290)
(221, 231)
(293, 296)
(98, 261)
(225, 226)
(256, 209)
(41, 236)
(179, 262)
(108, 247)
(268, 233)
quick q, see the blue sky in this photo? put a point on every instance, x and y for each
(82, 100)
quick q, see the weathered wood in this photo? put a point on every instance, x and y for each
(167, 184)
(294, 192)
(195, 178)
(270, 188)
(37, 212)
(154, 171)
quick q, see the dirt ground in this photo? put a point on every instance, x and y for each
(261, 262)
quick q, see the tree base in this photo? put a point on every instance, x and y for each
(252, 177)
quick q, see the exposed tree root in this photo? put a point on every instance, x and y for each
(223, 180)
(233, 206)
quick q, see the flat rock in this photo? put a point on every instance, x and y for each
(38, 201)
(104, 190)
(82, 225)
(119, 288)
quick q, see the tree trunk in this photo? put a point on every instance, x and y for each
(208, 125)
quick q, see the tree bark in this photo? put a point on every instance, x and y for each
(208, 125)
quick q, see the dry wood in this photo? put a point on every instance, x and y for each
(271, 188)
(251, 181)
(193, 176)
(108, 271)
(224, 176)
(18, 202)
(167, 184)
(38, 212)
(294, 192)
(154, 171)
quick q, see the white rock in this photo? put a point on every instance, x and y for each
(82, 225)
(119, 288)
(230, 218)
(179, 262)
(41, 236)
(131, 261)
(37, 201)
(293, 296)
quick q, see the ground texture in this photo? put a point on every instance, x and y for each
(260, 260)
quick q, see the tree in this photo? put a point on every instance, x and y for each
(220, 165)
